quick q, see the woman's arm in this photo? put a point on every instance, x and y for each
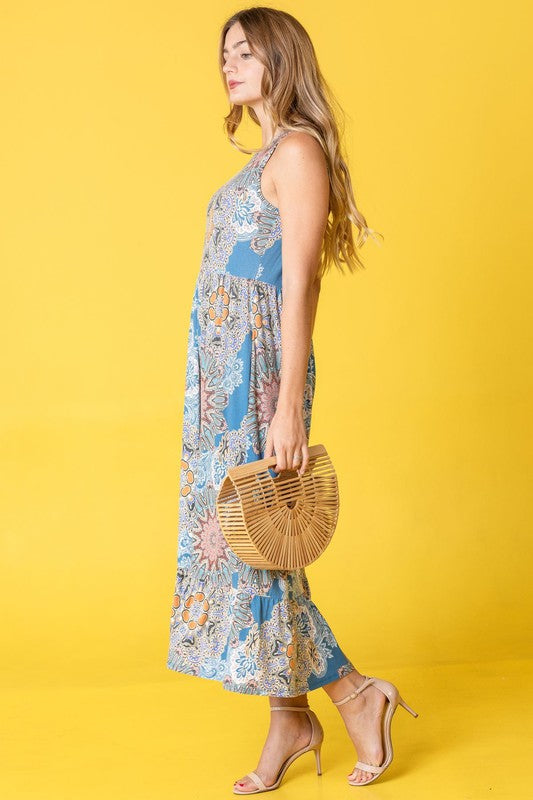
(299, 177)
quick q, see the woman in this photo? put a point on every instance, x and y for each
(256, 630)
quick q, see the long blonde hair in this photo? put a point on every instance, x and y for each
(296, 97)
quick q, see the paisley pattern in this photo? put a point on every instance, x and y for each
(256, 631)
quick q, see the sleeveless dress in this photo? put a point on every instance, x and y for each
(257, 631)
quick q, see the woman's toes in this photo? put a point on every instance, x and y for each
(359, 776)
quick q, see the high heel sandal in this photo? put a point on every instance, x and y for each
(315, 743)
(393, 696)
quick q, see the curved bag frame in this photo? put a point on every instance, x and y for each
(283, 522)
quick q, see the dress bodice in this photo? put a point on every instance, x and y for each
(243, 229)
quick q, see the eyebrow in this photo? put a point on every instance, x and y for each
(243, 41)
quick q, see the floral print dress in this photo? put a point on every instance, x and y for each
(257, 631)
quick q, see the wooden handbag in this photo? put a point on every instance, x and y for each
(283, 522)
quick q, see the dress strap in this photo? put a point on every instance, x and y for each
(270, 149)
(250, 175)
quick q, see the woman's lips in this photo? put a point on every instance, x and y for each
(233, 84)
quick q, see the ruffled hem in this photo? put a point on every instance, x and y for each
(239, 688)
(263, 636)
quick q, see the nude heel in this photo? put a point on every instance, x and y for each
(317, 756)
(408, 708)
(315, 743)
(394, 700)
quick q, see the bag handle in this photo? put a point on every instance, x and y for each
(251, 467)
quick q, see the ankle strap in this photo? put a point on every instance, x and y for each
(289, 708)
(367, 681)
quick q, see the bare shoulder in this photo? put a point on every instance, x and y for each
(296, 173)
(299, 159)
(300, 146)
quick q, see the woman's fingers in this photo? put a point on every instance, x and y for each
(305, 459)
(295, 457)
(287, 440)
(282, 460)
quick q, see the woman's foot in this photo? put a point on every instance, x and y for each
(289, 731)
(362, 716)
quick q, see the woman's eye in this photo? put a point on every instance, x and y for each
(244, 55)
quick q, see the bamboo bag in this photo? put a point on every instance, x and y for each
(284, 522)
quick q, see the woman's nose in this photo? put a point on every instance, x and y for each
(229, 65)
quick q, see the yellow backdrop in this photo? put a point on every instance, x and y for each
(112, 143)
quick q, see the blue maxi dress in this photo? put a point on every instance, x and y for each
(257, 631)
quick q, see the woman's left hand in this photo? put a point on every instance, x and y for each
(287, 439)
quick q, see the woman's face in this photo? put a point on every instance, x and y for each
(242, 69)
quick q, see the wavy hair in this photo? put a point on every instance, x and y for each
(296, 97)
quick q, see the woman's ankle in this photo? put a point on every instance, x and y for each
(342, 686)
(301, 701)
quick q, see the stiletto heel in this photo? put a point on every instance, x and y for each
(318, 766)
(315, 743)
(408, 708)
(394, 700)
